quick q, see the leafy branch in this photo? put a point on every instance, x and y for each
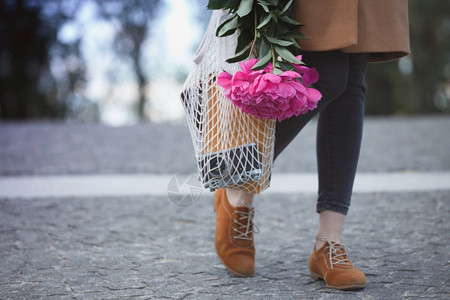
(267, 31)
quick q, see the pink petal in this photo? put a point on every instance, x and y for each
(301, 89)
(310, 77)
(286, 90)
(224, 80)
(269, 68)
(239, 76)
(301, 69)
(248, 65)
(271, 77)
(313, 94)
(290, 74)
(260, 84)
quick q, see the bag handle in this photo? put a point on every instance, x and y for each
(214, 22)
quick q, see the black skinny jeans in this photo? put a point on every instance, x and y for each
(340, 124)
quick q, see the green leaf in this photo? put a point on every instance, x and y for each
(293, 34)
(215, 4)
(239, 57)
(245, 8)
(274, 17)
(286, 66)
(286, 7)
(265, 7)
(277, 70)
(244, 39)
(279, 42)
(295, 43)
(221, 4)
(265, 2)
(228, 27)
(289, 20)
(264, 22)
(286, 55)
(233, 4)
(263, 47)
(262, 62)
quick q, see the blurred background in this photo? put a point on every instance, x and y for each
(120, 62)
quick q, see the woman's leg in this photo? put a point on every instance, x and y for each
(333, 70)
(238, 198)
(339, 134)
(340, 124)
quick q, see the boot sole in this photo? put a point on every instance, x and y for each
(231, 270)
(344, 288)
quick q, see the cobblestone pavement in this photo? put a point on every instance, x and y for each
(148, 248)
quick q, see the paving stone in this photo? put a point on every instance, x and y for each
(158, 250)
(147, 248)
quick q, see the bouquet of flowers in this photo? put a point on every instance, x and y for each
(273, 82)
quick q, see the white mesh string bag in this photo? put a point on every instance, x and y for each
(233, 149)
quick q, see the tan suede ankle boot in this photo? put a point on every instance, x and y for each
(234, 236)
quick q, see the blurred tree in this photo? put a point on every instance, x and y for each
(430, 43)
(419, 83)
(29, 47)
(66, 61)
(42, 75)
(133, 23)
(24, 43)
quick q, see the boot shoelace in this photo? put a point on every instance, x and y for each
(336, 254)
(245, 226)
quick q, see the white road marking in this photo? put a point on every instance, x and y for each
(157, 184)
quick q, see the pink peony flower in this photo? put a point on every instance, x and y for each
(266, 95)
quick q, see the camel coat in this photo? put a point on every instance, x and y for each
(378, 27)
